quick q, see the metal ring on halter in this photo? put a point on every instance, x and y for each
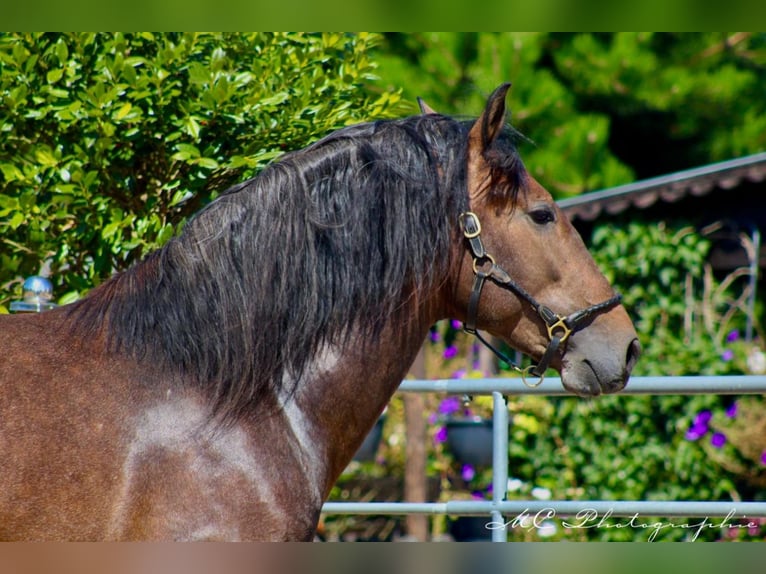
(525, 371)
(476, 260)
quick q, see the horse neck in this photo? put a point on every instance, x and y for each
(349, 387)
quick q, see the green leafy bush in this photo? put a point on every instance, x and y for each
(110, 140)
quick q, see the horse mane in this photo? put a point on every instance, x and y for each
(333, 240)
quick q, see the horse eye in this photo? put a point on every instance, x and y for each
(542, 216)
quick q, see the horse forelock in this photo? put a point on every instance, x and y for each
(333, 240)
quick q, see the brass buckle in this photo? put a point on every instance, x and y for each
(560, 324)
(466, 233)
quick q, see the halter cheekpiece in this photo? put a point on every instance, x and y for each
(559, 328)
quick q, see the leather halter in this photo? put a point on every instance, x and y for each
(559, 327)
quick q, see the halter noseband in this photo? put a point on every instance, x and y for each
(559, 328)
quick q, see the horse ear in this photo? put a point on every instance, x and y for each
(425, 109)
(491, 122)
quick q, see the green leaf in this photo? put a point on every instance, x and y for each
(69, 297)
(123, 111)
(111, 229)
(11, 172)
(54, 75)
(16, 220)
(185, 152)
(192, 127)
(208, 163)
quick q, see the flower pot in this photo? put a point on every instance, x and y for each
(470, 441)
(471, 529)
(366, 452)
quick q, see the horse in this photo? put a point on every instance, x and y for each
(216, 389)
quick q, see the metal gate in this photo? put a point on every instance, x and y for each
(498, 508)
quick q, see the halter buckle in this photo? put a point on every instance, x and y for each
(470, 224)
(559, 324)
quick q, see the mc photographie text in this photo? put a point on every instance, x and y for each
(591, 519)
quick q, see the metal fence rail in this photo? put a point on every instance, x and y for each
(499, 509)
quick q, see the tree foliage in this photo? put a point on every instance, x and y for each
(111, 140)
(599, 109)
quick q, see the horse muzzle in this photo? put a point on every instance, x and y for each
(603, 369)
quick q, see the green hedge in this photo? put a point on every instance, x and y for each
(110, 140)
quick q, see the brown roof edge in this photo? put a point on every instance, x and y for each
(668, 188)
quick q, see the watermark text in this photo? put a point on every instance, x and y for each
(591, 519)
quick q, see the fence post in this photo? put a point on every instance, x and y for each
(499, 462)
(37, 296)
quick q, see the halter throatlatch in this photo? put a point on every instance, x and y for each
(559, 327)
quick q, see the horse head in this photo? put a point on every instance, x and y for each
(525, 275)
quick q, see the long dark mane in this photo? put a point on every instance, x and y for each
(340, 237)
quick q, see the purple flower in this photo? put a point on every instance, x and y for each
(450, 405)
(732, 336)
(695, 432)
(450, 352)
(703, 417)
(731, 412)
(700, 426)
(718, 439)
(467, 472)
(435, 336)
(441, 435)
(763, 457)
(455, 324)
(459, 374)
(727, 355)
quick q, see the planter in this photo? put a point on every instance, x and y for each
(366, 452)
(470, 441)
(471, 529)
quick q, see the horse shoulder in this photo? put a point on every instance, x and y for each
(184, 478)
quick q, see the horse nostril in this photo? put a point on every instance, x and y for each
(634, 352)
